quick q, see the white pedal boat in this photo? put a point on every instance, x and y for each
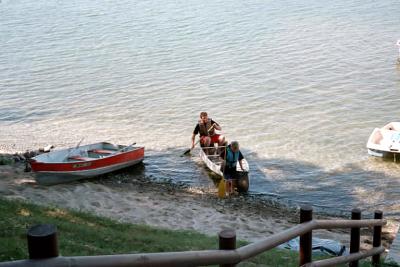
(385, 141)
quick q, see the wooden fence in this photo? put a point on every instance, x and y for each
(43, 247)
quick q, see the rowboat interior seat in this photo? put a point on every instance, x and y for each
(79, 158)
(215, 158)
(101, 151)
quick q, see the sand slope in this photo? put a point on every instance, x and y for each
(159, 204)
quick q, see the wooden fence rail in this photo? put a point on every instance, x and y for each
(43, 247)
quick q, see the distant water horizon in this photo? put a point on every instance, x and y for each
(300, 85)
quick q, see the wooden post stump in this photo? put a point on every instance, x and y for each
(355, 236)
(306, 239)
(376, 241)
(42, 241)
(227, 240)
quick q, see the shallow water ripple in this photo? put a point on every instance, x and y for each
(300, 85)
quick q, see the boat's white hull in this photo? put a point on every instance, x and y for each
(216, 168)
(376, 153)
(385, 142)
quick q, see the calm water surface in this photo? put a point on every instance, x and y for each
(300, 84)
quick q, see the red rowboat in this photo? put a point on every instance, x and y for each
(87, 161)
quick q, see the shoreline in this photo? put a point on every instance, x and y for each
(140, 200)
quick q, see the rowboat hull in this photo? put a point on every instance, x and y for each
(213, 162)
(84, 162)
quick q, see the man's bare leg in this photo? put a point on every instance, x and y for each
(221, 144)
(207, 143)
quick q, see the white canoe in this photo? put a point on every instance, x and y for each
(385, 141)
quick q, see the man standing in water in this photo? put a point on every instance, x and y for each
(231, 156)
(206, 128)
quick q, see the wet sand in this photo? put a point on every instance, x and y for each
(142, 201)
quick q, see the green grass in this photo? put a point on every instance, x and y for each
(82, 234)
(4, 160)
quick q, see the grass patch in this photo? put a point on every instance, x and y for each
(82, 234)
(4, 160)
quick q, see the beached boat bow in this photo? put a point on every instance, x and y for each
(82, 162)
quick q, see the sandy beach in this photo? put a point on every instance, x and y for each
(142, 201)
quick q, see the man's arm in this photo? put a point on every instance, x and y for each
(193, 137)
(216, 125)
(195, 132)
(241, 165)
(240, 160)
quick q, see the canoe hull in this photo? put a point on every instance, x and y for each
(49, 169)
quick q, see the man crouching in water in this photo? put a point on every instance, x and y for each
(206, 128)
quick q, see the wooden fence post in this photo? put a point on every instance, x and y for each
(355, 236)
(227, 240)
(42, 241)
(376, 242)
(306, 239)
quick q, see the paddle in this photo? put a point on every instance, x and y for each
(190, 149)
(127, 147)
(77, 146)
(70, 150)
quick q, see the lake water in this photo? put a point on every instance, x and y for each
(300, 84)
